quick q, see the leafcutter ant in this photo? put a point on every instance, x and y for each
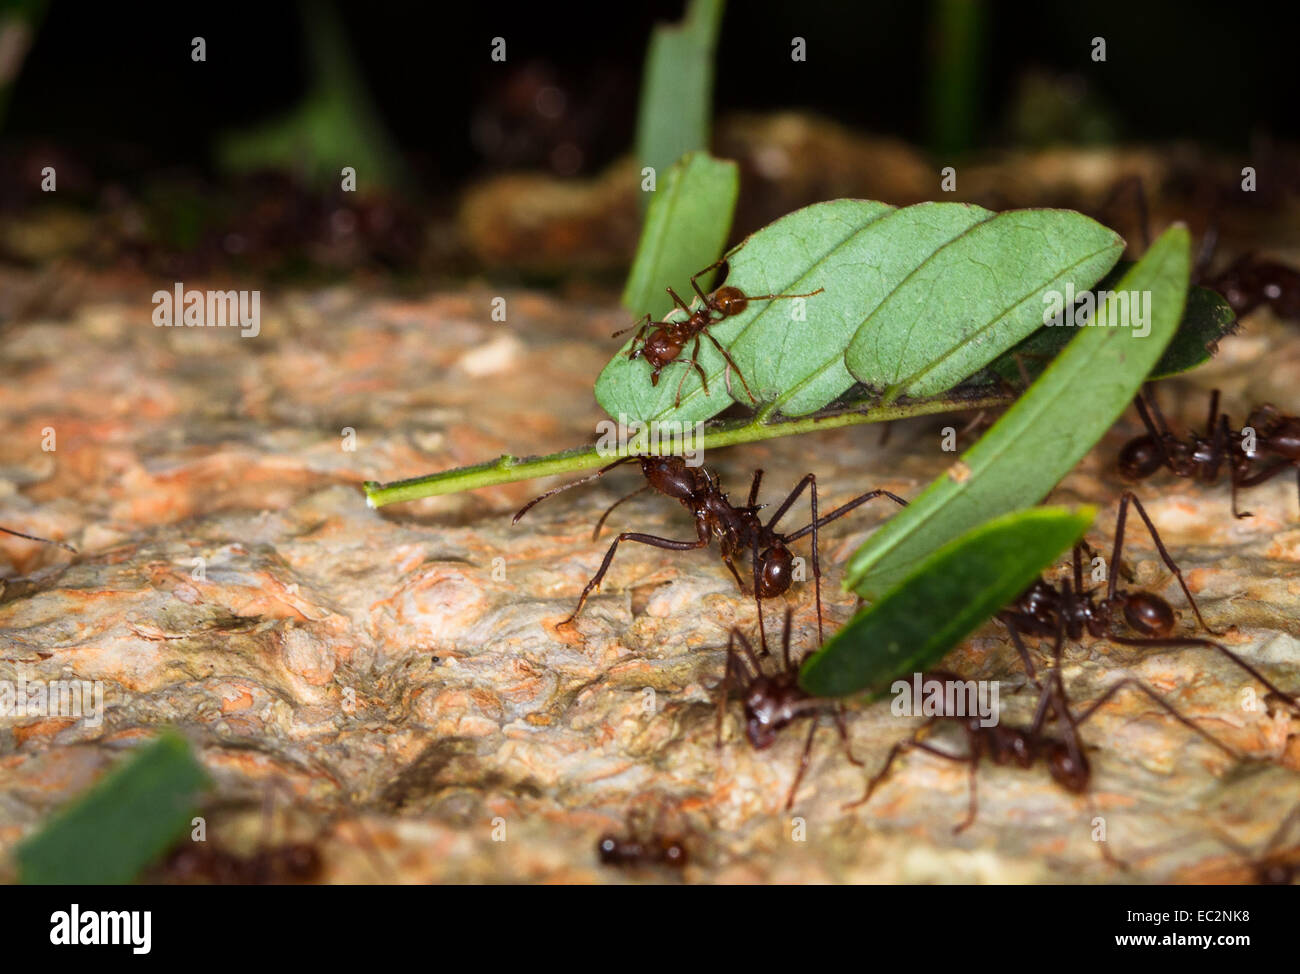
(738, 529)
(1201, 457)
(1044, 606)
(774, 701)
(667, 339)
(643, 845)
(1064, 755)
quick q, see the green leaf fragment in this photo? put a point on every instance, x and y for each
(1048, 430)
(950, 595)
(123, 824)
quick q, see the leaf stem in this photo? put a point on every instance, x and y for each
(507, 469)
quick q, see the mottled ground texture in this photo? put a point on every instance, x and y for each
(401, 672)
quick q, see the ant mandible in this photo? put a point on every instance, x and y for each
(668, 338)
(738, 529)
(773, 702)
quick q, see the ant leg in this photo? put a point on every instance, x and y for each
(648, 539)
(899, 748)
(1293, 700)
(803, 763)
(844, 509)
(642, 323)
(1212, 423)
(758, 603)
(842, 726)
(725, 684)
(972, 806)
(726, 558)
(1076, 556)
(731, 367)
(698, 274)
(753, 487)
(574, 483)
(1164, 704)
(1131, 498)
(609, 510)
(785, 639)
(32, 537)
(1010, 622)
(1292, 818)
(677, 300)
(694, 364)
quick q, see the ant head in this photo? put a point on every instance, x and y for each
(301, 861)
(762, 714)
(1070, 771)
(1148, 614)
(1141, 457)
(673, 852)
(1274, 873)
(730, 300)
(775, 571)
(661, 347)
(607, 848)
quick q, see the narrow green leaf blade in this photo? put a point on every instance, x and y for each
(977, 296)
(950, 595)
(677, 90)
(124, 823)
(685, 230)
(1040, 438)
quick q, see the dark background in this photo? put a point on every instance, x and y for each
(115, 85)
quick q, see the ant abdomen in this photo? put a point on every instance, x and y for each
(775, 572)
(1140, 458)
(1148, 614)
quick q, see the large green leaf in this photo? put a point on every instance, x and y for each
(975, 297)
(1039, 439)
(685, 230)
(124, 823)
(877, 266)
(947, 598)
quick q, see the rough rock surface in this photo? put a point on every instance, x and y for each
(401, 672)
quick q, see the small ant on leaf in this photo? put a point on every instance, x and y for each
(667, 339)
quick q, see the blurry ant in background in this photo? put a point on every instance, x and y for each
(667, 339)
(774, 701)
(191, 862)
(642, 848)
(738, 529)
(1248, 282)
(1201, 457)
